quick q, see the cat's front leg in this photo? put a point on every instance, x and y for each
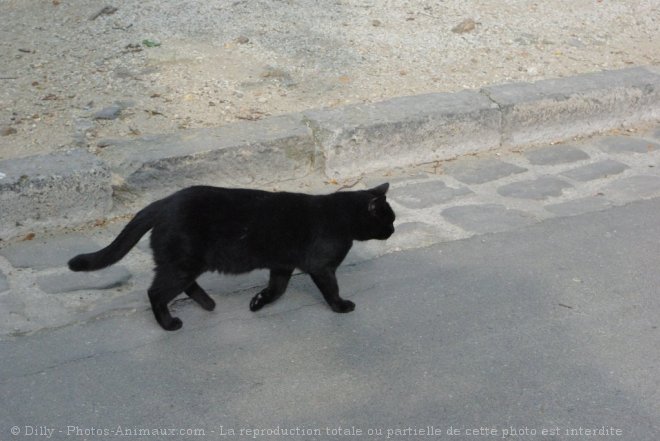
(326, 281)
(279, 280)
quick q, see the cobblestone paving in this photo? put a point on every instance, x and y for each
(437, 202)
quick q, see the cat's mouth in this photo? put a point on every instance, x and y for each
(388, 233)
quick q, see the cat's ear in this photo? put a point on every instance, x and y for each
(375, 203)
(380, 190)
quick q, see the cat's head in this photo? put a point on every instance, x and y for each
(377, 217)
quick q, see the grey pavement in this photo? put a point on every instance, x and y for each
(549, 332)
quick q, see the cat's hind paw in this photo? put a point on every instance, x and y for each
(206, 302)
(343, 306)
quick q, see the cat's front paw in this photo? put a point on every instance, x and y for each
(259, 301)
(343, 306)
(172, 325)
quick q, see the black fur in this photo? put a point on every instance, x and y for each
(234, 231)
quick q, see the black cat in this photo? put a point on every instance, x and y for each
(234, 231)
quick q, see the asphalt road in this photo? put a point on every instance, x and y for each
(547, 332)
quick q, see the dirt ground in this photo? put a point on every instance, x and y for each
(81, 72)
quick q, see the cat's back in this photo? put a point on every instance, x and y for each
(207, 206)
(201, 204)
(209, 195)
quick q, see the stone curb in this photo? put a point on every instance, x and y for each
(404, 131)
(244, 153)
(558, 109)
(53, 190)
(340, 143)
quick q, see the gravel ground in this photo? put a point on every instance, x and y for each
(80, 72)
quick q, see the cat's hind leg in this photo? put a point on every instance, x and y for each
(167, 284)
(197, 293)
(279, 280)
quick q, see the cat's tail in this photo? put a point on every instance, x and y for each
(129, 236)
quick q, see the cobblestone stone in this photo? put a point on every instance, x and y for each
(596, 170)
(479, 171)
(538, 189)
(555, 154)
(626, 144)
(426, 194)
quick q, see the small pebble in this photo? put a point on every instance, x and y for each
(111, 112)
(6, 131)
(466, 25)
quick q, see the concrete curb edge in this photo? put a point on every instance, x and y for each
(69, 188)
